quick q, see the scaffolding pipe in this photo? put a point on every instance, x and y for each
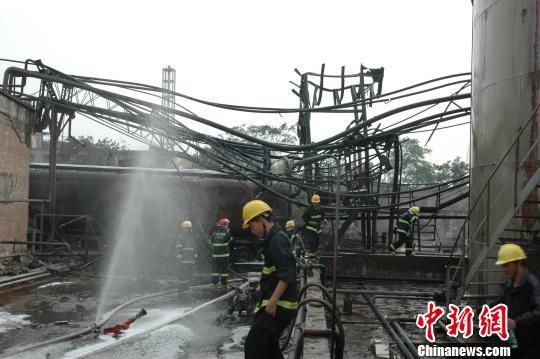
(403, 293)
(68, 255)
(389, 329)
(406, 339)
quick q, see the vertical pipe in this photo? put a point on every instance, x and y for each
(40, 225)
(52, 170)
(516, 169)
(334, 264)
(394, 191)
(447, 279)
(87, 230)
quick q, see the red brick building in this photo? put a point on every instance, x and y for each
(14, 171)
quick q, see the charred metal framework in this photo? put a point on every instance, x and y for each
(367, 149)
(356, 159)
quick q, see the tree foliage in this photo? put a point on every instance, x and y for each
(417, 170)
(277, 134)
(102, 144)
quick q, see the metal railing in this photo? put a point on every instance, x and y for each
(488, 227)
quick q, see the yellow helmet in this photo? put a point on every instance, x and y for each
(510, 253)
(415, 210)
(253, 209)
(290, 224)
(186, 224)
(315, 199)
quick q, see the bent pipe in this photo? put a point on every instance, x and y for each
(323, 289)
(297, 345)
(339, 339)
(316, 265)
(329, 306)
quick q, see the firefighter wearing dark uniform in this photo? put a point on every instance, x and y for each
(294, 237)
(278, 303)
(403, 229)
(219, 241)
(313, 218)
(522, 297)
(186, 253)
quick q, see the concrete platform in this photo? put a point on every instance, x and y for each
(398, 267)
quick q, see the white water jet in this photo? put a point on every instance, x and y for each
(143, 245)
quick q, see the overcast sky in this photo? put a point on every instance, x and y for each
(244, 52)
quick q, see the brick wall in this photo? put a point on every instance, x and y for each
(14, 171)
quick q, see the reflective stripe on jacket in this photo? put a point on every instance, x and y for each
(313, 218)
(404, 223)
(186, 251)
(219, 240)
(279, 264)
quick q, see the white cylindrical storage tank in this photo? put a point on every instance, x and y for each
(505, 91)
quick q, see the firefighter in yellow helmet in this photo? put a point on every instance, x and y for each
(404, 230)
(522, 297)
(313, 218)
(290, 229)
(278, 303)
(186, 255)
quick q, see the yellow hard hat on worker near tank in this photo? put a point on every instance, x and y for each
(315, 199)
(510, 253)
(253, 209)
(415, 210)
(186, 224)
(290, 224)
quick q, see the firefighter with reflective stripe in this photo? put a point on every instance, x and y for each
(186, 253)
(404, 229)
(278, 303)
(219, 241)
(313, 218)
(290, 227)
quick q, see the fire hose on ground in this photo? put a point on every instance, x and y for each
(175, 318)
(109, 315)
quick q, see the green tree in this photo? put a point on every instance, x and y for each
(277, 134)
(102, 144)
(416, 169)
(451, 169)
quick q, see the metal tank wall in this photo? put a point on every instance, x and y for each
(505, 62)
(199, 196)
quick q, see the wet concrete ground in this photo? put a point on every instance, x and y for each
(63, 306)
